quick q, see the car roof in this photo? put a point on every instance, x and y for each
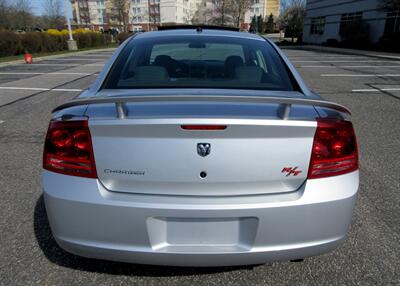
(203, 32)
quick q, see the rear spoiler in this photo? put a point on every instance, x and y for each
(198, 28)
(284, 102)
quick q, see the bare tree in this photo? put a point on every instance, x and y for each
(53, 14)
(285, 4)
(239, 9)
(119, 12)
(17, 15)
(4, 14)
(53, 8)
(223, 12)
(292, 18)
(22, 16)
(153, 14)
(203, 14)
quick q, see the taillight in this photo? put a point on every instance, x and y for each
(68, 149)
(334, 150)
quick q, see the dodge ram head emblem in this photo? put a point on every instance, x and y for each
(203, 149)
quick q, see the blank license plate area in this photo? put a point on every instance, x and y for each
(202, 233)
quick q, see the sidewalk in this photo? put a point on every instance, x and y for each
(41, 58)
(376, 54)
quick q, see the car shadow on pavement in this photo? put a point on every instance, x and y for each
(60, 257)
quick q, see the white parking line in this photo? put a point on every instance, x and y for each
(360, 75)
(44, 64)
(66, 89)
(41, 73)
(341, 61)
(38, 88)
(398, 66)
(61, 65)
(96, 56)
(387, 56)
(76, 59)
(376, 89)
(326, 57)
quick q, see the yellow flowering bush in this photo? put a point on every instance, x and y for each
(54, 32)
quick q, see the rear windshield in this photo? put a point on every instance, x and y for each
(199, 62)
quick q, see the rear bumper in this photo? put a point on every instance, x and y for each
(90, 221)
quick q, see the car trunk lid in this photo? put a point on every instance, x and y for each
(150, 153)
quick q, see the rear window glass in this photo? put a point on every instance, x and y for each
(199, 62)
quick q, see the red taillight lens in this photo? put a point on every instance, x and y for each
(68, 149)
(334, 150)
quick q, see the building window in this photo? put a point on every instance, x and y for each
(317, 26)
(392, 25)
(350, 18)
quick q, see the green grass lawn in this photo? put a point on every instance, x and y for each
(21, 57)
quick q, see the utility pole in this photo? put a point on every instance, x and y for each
(72, 46)
(148, 7)
(78, 17)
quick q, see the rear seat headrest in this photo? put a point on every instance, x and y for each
(231, 63)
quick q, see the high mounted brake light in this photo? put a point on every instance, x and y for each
(68, 149)
(203, 127)
(334, 150)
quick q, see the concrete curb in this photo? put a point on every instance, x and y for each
(381, 55)
(10, 63)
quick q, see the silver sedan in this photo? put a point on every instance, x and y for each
(199, 147)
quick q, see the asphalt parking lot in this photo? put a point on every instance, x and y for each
(368, 85)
